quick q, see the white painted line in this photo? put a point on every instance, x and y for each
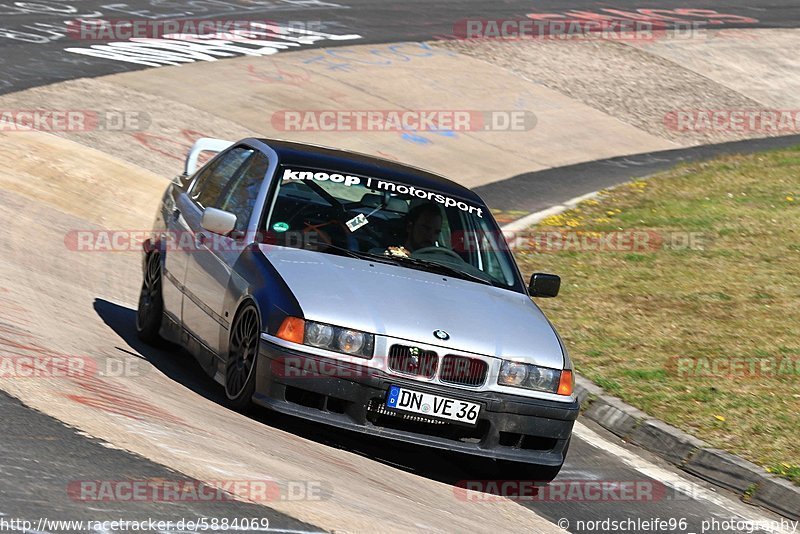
(674, 480)
(533, 218)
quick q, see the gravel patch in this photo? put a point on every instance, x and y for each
(623, 81)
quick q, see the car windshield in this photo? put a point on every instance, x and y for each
(373, 218)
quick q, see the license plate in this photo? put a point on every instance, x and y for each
(433, 405)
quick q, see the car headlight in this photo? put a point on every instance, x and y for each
(529, 376)
(318, 334)
(513, 374)
(327, 337)
(351, 341)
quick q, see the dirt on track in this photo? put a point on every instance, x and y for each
(59, 302)
(56, 301)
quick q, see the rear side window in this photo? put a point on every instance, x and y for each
(239, 196)
(212, 180)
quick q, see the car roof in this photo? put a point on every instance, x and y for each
(317, 156)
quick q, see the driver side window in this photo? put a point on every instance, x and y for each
(239, 196)
(211, 181)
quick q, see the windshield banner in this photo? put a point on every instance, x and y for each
(382, 185)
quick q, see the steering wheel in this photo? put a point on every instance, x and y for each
(436, 251)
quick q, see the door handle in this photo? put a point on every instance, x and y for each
(200, 238)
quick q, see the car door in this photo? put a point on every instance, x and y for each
(210, 265)
(179, 239)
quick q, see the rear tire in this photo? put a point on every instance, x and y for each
(151, 302)
(240, 376)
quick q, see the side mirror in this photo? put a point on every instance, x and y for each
(544, 285)
(218, 221)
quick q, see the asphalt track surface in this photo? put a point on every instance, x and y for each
(33, 36)
(40, 456)
(33, 440)
(539, 190)
(32, 482)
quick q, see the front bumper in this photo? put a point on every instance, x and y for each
(509, 427)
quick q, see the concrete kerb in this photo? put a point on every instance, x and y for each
(751, 482)
(694, 456)
(779, 495)
(725, 469)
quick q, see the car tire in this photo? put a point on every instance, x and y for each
(151, 302)
(240, 376)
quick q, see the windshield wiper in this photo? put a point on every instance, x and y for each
(448, 269)
(426, 265)
(364, 255)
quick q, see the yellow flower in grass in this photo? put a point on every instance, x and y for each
(553, 220)
(639, 184)
(562, 219)
(719, 418)
(790, 199)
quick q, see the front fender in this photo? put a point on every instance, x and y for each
(254, 279)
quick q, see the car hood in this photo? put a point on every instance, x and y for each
(410, 304)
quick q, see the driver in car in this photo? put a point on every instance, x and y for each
(422, 229)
